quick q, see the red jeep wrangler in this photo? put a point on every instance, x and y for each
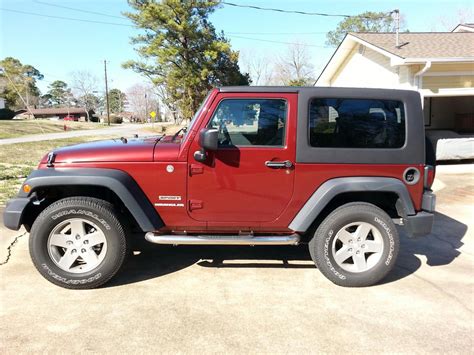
(333, 167)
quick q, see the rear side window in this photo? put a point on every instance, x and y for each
(356, 123)
(248, 122)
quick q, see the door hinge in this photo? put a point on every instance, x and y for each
(195, 205)
(195, 169)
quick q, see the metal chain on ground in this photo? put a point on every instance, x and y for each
(9, 249)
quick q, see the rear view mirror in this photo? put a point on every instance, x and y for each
(207, 141)
(208, 138)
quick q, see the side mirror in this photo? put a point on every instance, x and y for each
(208, 138)
(207, 141)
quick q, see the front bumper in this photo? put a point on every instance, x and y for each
(13, 214)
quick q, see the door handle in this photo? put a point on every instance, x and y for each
(279, 164)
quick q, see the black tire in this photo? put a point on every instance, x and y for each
(87, 210)
(323, 245)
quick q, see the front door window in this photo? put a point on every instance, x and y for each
(250, 122)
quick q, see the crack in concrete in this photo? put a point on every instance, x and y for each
(9, 249)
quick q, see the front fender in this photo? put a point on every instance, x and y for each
(121, 183)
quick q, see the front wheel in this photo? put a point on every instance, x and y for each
(78, 243)
(356, 245)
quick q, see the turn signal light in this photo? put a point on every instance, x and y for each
(26, 188)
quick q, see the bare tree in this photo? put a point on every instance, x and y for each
(259, 66)
(448, 21)
(170, 107)
(294, 67)
(84, 86)
(142, 99)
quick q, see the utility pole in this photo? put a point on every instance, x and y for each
(107, 93)
(146, 107)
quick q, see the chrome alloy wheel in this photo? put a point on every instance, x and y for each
(357, 247)
(77, 245)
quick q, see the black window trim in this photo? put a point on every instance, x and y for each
(236, 146)
(413, 152)
(312, 98)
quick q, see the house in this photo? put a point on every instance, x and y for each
(439, 65)
(59, 113)
(464, 27)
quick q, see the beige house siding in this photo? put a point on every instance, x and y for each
(457, 67)
(434, 83)
(366, 68)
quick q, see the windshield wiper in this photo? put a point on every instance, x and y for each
(177, 133)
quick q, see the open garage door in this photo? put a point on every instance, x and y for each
(449, 123)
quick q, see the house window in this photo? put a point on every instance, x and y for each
(356, 123)
(250, 122)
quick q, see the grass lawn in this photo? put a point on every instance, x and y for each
(18, 128)
(18, 160)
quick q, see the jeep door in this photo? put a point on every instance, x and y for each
(249, 178)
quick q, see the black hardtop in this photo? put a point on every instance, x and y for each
(412, 152)
(330, 91)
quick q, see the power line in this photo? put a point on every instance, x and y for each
(275, 33)
(126, 25)
(280, 42)
(298, 12)
(66, 18)
(78, 10)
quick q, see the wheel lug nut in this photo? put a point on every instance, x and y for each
(349, 250)
(358, 239)
(86, 241)
(73, 251)
(357, 252)
(83, 250)
(69, 242)
(78, 237)
(363, 245)
(350, 241)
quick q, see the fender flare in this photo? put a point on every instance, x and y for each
(119, 182)
(331, 188)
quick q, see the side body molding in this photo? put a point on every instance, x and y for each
(331, 188)
(122, 184)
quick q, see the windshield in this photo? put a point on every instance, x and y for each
(194, 119)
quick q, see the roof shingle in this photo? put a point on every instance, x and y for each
(423, 44)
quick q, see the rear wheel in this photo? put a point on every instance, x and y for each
(356, 245)
(78, 243)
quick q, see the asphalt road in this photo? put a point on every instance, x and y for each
(256, 300)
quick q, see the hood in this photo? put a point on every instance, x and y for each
(113, 150)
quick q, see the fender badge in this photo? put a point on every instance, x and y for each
(50, 161)
(170, 168)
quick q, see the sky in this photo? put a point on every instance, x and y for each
(59, 46)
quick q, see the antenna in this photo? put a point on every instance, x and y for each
(397, 21)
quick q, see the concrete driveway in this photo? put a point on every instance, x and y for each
(256, 300)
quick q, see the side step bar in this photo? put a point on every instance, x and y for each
(292, 239)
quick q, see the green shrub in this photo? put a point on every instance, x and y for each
(6, 114)
(116, 119)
